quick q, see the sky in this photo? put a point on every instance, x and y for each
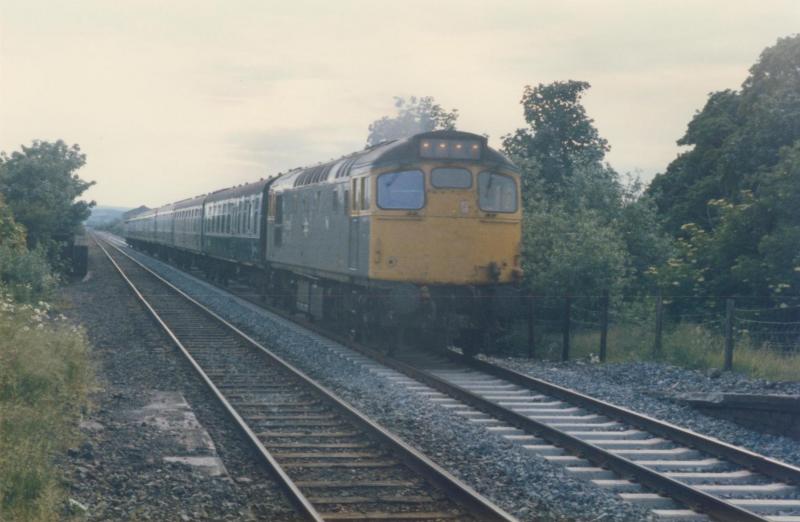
(170, 99)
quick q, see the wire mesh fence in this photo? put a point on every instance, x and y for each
(699, 331)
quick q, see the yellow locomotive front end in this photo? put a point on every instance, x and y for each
(445, 225)
(452, 218)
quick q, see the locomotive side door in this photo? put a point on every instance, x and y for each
(352, 252)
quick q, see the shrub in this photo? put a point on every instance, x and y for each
(26, 274)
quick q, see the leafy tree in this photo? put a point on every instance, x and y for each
(560, 137)
(732, 199)
(751, 248)
(585, 230)
(734, 139)
(569, 252)
(40, 186)
(414, 115)
(12, 234)
(24, 274)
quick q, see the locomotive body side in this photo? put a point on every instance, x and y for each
(309, 226)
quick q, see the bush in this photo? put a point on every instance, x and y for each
(45, 376)
(26, 274)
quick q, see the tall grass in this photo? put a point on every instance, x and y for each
(45, 376)
(693, 346)
(683, 344)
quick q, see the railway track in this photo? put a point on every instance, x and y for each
(332, 461)
(678, 474)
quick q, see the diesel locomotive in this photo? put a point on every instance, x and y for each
(420, 234)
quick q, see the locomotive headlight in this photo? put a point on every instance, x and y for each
(450, 149)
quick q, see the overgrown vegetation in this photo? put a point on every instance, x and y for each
(44, 366)
(25, 274)
(45, 377)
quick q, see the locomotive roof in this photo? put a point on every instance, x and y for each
(396, 152)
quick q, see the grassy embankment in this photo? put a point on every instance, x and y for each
(45, 377)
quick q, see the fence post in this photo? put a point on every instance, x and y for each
(565, 340)
(659, 324)
(531, 330)
(729, 310)
(603, 326)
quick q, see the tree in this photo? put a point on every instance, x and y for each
(414, 115)
(40, 186)
(560, 137)
(735, 139)
(24, 274)
(12, 234)
(585, 231)
(569, 252)
(732, 199)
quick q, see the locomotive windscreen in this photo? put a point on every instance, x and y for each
(450, 149)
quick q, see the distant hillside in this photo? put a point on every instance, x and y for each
(105, 215)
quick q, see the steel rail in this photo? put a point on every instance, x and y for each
(746, 458)
(289, 487)
(691, 497)
(460, 493)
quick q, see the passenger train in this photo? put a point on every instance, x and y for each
(419, 234)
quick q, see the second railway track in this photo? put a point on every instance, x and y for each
(334, 463)
(680, 474)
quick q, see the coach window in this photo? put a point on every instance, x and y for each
(451, 178)
(497, 192)
(404, 190)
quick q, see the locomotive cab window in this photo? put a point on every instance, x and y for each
(404, 190)
(497, 192)
(451, 178)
